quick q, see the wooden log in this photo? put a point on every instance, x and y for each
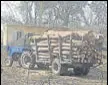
(42, 49)
(54, 41)
(77, 42)
(62, 49)
(42, 44)
(45, 41)
(67, 41)
(67, 48)
(74, 52)
(56, 48)
(44, 59)
(43, 54)
(65, 44)
(54, 44)
(55, 51)
(65, 52)
(45, 38)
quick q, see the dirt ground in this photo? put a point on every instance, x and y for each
(18, 76)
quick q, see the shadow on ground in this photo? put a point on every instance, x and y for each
(94, 74)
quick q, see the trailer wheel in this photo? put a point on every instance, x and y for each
(58, 68)
(27, 60)
(9, 62)
(77, 71)
(42, 66)
(81, 71)
(85, 70)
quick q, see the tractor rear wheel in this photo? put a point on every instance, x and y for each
(85, 70)
(27, 60)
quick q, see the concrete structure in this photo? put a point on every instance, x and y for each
(9, 29)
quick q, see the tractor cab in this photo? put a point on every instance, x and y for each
(20, 43)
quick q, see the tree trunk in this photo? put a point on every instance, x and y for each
(66, 20)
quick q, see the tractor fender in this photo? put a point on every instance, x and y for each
(14, 50)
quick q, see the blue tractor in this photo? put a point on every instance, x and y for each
(15, 50)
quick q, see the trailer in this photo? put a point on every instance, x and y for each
(61, 53)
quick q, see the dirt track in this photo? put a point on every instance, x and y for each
(19, 76)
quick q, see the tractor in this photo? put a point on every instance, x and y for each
(16, 48)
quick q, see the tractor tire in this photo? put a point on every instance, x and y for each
(9, 62)
(32, 65)
(81, 71)
(78, 71)
(58, 68)
(27, 60)
(19, 62)
(85, 71)
(42, 66)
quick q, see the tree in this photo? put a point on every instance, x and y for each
(100, 9)
(56, 13)
(9, 15)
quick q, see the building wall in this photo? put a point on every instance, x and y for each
(9, 29)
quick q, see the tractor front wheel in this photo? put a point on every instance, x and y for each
(19, 61)
(9, 62)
